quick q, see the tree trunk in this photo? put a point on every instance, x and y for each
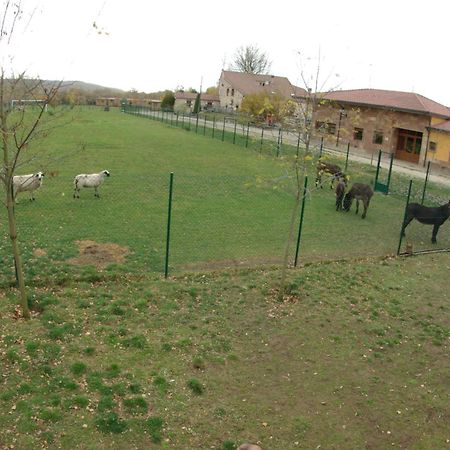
(16, 253)
(290, 238)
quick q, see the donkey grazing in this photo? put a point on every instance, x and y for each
(358, 191)
(335, 172)
(340, 192)
(435, 216)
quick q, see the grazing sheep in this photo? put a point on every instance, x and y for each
(359, 191)
(332, 169)
(340, 192)
(89, 180)
(249, 447)
(30, 182)
(435, 216)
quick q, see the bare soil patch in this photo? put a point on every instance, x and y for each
(99, 254)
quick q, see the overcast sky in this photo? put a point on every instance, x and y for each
(155, 45)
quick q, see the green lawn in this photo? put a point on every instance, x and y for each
(357, 356)
(114, 357)
(231, 204)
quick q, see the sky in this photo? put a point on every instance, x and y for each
(156, 45)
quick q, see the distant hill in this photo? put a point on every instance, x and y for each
(86, 87)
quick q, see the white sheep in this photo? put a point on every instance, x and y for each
(89, 180)
(30, 182)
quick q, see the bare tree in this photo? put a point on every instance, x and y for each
(314, 93)
(251, 59)
(23, 103)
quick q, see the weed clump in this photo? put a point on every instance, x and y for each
(195, 386)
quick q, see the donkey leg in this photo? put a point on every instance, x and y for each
(408, 219)
(435, 232)
(366, 205)
(357, 206)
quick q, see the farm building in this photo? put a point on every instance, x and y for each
(234, 86)
(412, 127)
(116, 101)
(185, 101)
(409, 125)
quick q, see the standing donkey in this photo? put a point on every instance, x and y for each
(358, 191)
(435, 216)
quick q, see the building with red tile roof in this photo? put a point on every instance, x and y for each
(407, 124)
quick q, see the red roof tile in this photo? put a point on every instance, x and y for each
(442, 126)
(404, 101)
(248, 83)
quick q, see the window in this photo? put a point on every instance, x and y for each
(232, 92)
(331, 128)
(358, 134)
(377, 137)
(228, 92)
(432, 146)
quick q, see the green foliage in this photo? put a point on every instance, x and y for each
(168, 100)
(196, 109)
(135, 405)
(229, 445)
(161, 384)
(195, 386)
(78, 368)
(261, 105)
(154, 426)
(110, 422)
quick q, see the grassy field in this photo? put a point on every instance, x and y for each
(356, 356)
(231, 205)
(115, 357)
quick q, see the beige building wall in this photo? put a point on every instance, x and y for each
(230, 98)
(371, 121)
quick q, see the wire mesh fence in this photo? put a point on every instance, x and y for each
(216, 221)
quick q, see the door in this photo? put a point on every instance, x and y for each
(409, 144)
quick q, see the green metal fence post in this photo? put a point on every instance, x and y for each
(404, 217)
(169, 220)
(262, 140)
(321, 147)
(214, 126)
(298, 145)
(378, 169)
(426, 182)
(196, 124)
(278, 142)
(223, 130)
(234, 134)
(246, 138)
(204, 126)
(346, 158)
(390, 172)
(300, 225)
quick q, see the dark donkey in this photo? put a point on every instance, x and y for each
(358, 191)
(335, 172)
(435, 216)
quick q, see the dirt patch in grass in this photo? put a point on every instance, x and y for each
(99, 254)
(39, 252)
